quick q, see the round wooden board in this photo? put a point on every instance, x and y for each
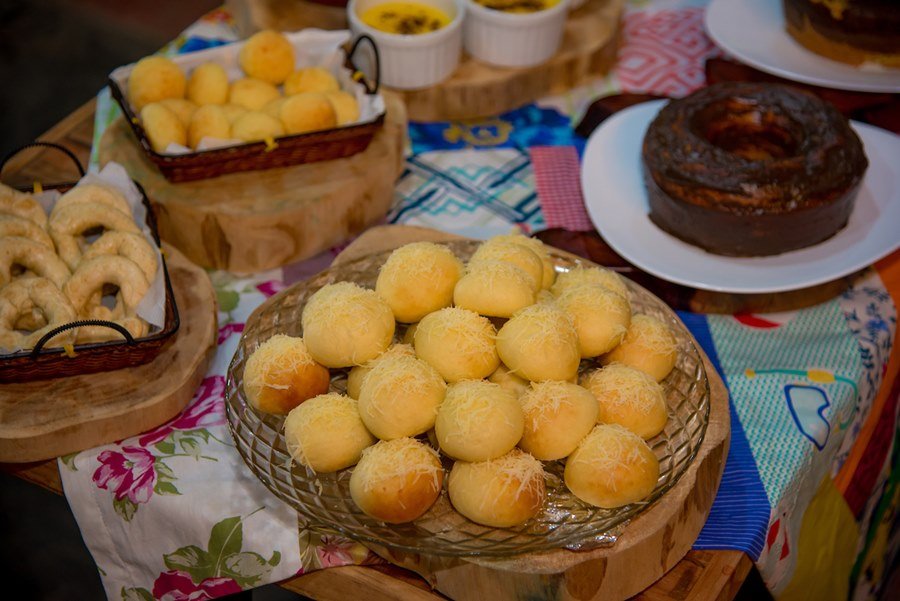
(254, 221)
(648, 547)
(475, 89)
(49, 418)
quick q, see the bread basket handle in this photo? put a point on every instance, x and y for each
(129, 339)
(370, 89)
(36, 143)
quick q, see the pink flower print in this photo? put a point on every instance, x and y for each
(271, 287)
(204, 411)
(334, 551)
(229, 329)
(177, 586)
(128, 474)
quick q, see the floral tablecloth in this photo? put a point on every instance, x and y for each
(811, 483)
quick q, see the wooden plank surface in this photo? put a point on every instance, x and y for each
(700, 576)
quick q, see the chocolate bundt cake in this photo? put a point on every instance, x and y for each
(850, 31)
(751, 169)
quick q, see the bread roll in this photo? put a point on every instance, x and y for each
(648, 346)
(358, 373)
(273, 108)
(208, 121)
(310, 111)
(557, 416)
(233, 111)
(267, 55)
(538, 248)
(458, 343)
(539, 343)
(611, 467)
(208, 84)
(630, 398)
(346, 325)
(280, 374)
(252, 94)
(310, 79)
(494, 288)
(154, 78)
(516, 254)
(162, 127)
(182, 108)
(501, 492)
(509, 381)
(345, 106)
(400, 396)
(600, 316)
(478, 420)
(397, 481)
(255, 125)
(325, 433)
(418, 279)
(590, 275)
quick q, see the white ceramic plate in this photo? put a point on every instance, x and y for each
(617, 204)
(753, 32)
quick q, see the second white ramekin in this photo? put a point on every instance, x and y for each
(513, 39)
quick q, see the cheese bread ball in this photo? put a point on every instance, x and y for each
(397, 481)
(280, 374)
(478, 420)
(256, 125)
(494, 288)
(183, 109)
(252, 94)
(400, 396)
(600, 316)
(208, 121)
(267, 55)
(162, 127)
(310, 111)
(346, 325)
(648, 346)
(538, 248)
(310, 79)
(273, 108)
(233, 111)
(154, 78)
(501, 492)
(611, 467)
(539, 343)
(325, 433)
(557, 416)
(509, 381)
(458, 343)
(590, 275)
(358, 373)
(208, 84)
(630, 398)
(516, 254)
(418, 279)
(345, 106)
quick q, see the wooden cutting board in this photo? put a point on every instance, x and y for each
(258, 220)
(649, 546)
(49, 418)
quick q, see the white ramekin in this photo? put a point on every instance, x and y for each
(513, 39)
(411, 62)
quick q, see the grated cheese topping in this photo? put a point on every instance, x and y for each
(275, 361)
(517, 468)
(590, 275)
(426, 264)
(609, 450)
(547, 399)
(401, 458)
(514, 254)
(651, 334)
(331, 412)
(624, 386)
(400, 378)
(465, 332)
(470, 404)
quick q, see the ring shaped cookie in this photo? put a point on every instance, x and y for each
(13, 225)
(93, 193)
(13, 202)
(22, 297)
(34, 256)
(128, 245)
(69, 223)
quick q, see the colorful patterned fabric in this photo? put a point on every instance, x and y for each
(814, 394)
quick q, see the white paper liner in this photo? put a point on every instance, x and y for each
(312, 48)
(152, 307)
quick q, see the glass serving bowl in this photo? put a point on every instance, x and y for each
(323, 500)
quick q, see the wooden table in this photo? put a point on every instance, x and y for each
(701, 575)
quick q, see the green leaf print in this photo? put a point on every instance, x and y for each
(276, 559)
(246, 568)
(193, 560)
(190, 446)
(227, 299)
(125, 508)
(69, 461)
(226, 539)
(165, 488)
(165, 447)
(136, 594)
(163, 471)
